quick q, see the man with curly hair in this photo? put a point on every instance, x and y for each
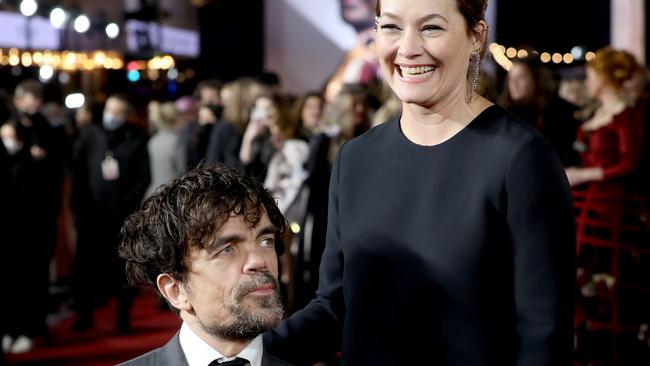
(208, 243)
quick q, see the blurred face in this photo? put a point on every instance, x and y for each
(424, 50)
(83, 117)
(311, 113)
(226, 94)
(521, 84)
(206, 116)
(358, 13)
(116, 109)
(266, 110)
(10, 139)
(359, 109)
(594, 82)
(232, 283)
(28, 103)
(210, 96)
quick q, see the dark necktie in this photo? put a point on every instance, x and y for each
(236, 362)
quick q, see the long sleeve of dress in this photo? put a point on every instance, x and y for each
(628, 152)
(540, 221)
(314, 333)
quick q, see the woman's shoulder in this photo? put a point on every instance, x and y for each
(503, 138)
(376, 136)
(496, 125)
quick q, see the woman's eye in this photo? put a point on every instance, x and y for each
(389, 27)
(431, 28)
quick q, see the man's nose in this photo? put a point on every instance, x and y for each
(255, 261)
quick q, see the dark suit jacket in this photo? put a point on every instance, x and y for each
(172, 354)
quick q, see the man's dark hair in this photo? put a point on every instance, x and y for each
(29, 86)
(270, 79)
(185, 214)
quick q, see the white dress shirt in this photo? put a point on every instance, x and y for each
(199, 353)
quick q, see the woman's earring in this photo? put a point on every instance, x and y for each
(475, 64)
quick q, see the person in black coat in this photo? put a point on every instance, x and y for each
(5, 227)
(33, 202)
(451, 237)
(196, 134)
(110, 176)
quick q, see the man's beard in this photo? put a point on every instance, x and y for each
(248, 323)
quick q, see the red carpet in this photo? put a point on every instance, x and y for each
(101, 345)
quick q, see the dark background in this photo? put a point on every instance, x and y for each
(553, 25)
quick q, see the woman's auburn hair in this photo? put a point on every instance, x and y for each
(616, 65)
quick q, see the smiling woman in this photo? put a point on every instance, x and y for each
(450, 235)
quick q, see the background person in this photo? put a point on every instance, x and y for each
(110, 177)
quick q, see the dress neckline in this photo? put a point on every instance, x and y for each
(481, 116)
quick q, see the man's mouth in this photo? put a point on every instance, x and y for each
(266, 289)
(262, 284)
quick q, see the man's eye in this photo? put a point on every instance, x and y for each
(227, 250)
(267, 243)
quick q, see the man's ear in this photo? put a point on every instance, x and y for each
(174, 291)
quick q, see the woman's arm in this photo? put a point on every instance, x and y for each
(541, 225)
(314, 333)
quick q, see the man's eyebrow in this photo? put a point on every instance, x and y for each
(223, 240)
(265, 230)
(422, 19)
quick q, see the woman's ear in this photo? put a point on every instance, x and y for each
(480, 36)
(174, 291)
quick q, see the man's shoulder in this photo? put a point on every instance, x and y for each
(147, 359)
(169, 354)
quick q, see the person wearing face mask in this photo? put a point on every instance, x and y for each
(110, 177)
(37, 177)
(451, 237)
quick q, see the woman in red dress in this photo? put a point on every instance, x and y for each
(609, 214)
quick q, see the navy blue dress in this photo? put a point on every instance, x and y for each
(461, 253)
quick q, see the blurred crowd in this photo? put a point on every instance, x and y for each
(69, 178)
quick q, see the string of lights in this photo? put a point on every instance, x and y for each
(61, 18)
(504, 56)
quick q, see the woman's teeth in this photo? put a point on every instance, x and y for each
(421, 71)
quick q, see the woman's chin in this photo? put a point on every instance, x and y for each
(414, 98)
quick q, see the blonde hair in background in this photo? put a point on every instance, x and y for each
(238, 99)
(162, 115)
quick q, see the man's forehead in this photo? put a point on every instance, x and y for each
(240, 222)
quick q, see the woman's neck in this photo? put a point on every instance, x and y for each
(611, 100)
(432, 126)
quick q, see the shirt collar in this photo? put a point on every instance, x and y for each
(200, 353)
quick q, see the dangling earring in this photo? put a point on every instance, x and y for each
(475, 63)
